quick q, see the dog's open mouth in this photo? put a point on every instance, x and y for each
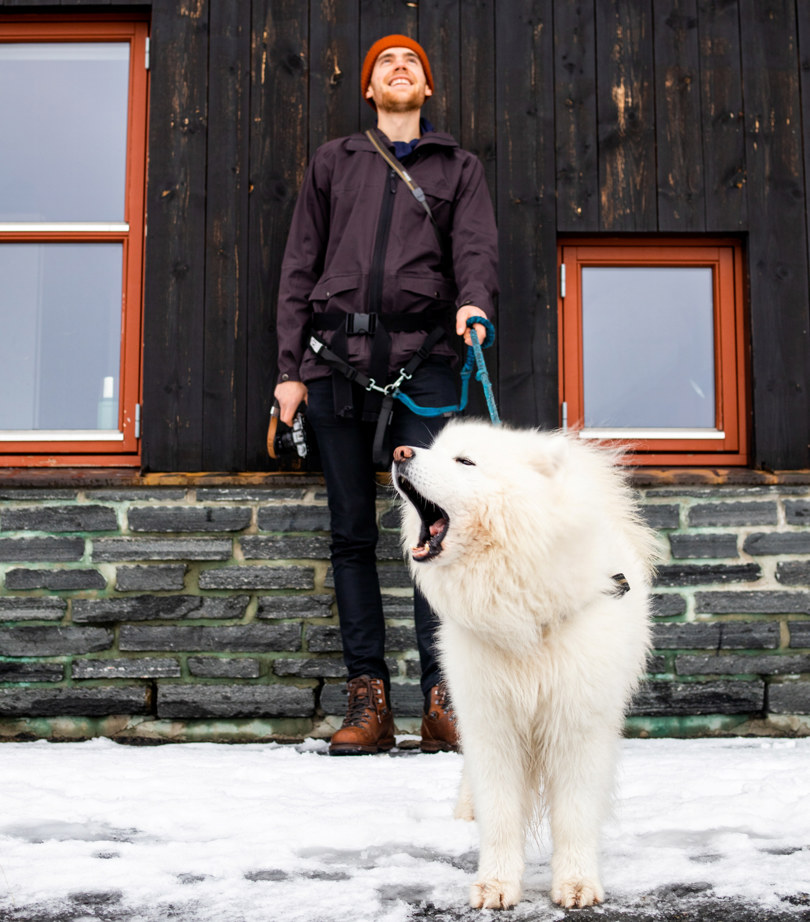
(435, 522)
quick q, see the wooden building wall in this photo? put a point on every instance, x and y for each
(591, 117)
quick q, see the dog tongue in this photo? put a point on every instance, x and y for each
(437, 526)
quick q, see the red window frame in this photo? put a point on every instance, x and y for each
(725, 258)
(130, 234)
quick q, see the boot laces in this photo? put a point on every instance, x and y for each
(360, 706)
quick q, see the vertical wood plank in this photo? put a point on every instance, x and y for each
(379, 18)
(175, 244)
(778, 261)
(477, 128)
(575, 117)
(278, 158)
(722, 122)
(527, 350)
(440, 36)
(678, 117)
(626, 116)
(335, 102)
(224, 385)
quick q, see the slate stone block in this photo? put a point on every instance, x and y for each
(793, 572)
(154, 608)
(55, 580)
(257, 577)
(708, 546)
(753, 603)
(257, 494)
(797, 512)
(657, 664)
(253, 638)
(668, 605)
(54, 641)
(154, 578)
(681, 699)
(661, 516)
(323, 639)
(799, 633)
(141, 549)
(779, 664)
(216, 667)
(730, 635)
(36, 550)
(154, 668)
(234, 701)
(295, 606)
(310, 668)
(789, 698)
(73, 702)
(31, 672)
(285, 547)
(777, 543)
(189, 518)
(700, 574)
(733, 513)
(79, 517)
(293, 517)
(16, 609)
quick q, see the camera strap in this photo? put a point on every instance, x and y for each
(416, 191)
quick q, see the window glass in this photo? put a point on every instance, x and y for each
(63, 141)
(648, 350)
(60, 352)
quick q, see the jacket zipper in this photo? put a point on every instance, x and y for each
(377, 274)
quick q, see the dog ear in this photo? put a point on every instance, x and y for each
(550, 453)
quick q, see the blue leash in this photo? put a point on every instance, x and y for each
(475, 357)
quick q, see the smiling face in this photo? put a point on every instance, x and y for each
(398, 82)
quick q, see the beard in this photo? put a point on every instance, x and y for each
(395, 103)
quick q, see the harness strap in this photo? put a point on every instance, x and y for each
(366, 324)
(379, 453)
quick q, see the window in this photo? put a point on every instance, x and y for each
(73, 98)
(652, 348)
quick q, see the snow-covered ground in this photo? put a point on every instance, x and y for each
(220, 833)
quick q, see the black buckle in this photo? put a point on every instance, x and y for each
(361, 324)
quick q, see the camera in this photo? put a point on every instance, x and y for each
(285, 442)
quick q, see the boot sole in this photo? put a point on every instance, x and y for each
(349, 749)
(431, 746)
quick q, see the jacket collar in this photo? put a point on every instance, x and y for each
(432, 138)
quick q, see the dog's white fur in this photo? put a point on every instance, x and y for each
(540, 653)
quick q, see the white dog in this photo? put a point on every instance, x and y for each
(529, 548)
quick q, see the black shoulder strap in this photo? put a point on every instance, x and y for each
(416, 191)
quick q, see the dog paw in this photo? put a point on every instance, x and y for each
(495, 894)
(575, 893)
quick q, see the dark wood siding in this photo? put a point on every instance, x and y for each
(603, 117)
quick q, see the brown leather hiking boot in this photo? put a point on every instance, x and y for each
(439, 730)
(369, 724)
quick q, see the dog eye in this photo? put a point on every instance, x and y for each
(466, 461)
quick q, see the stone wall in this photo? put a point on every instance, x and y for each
(202, 608)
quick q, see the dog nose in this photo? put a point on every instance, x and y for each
(403, 453)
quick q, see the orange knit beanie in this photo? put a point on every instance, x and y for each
(391, 41)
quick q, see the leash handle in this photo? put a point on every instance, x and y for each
(482, 374)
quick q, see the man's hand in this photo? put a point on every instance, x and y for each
(289, 395)
(470, 310)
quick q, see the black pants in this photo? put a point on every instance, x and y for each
(346, 455)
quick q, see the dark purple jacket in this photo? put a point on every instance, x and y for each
(330, 263)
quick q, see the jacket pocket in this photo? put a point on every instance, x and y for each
(435, 289)
(337, 293)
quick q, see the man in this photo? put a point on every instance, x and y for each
(374, 278)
